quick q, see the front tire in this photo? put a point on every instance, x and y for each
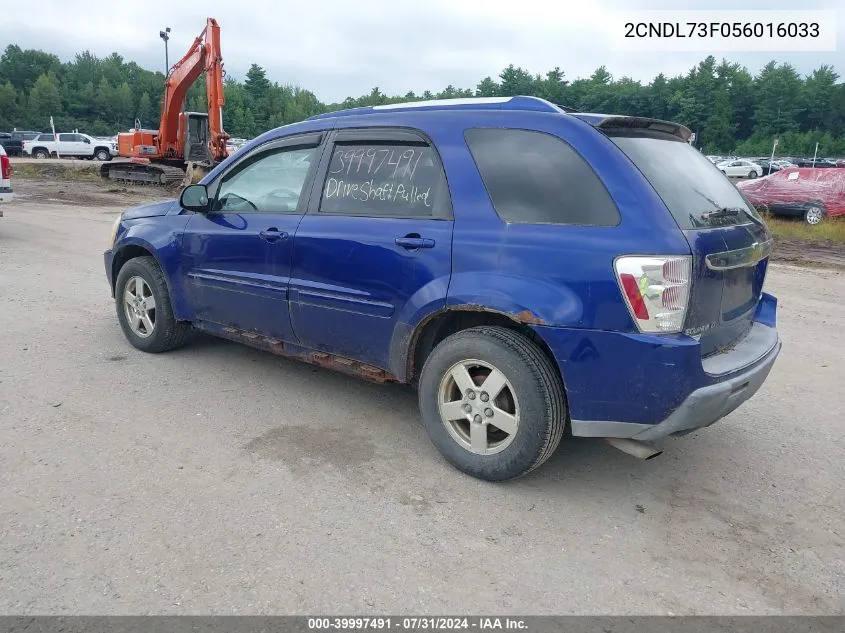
(492, 403)
(102, 155)
(143, 307)
(752, 174)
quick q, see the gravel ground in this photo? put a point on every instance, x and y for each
(223, 480)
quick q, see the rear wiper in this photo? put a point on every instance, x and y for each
(723, 212)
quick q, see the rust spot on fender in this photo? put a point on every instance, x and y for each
(526, 316)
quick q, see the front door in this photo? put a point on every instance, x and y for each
(237, 257)
(375, 247)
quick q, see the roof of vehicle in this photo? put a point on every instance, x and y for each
(515, 103)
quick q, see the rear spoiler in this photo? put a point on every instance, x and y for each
(610, 122)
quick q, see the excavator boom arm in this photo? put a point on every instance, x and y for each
(203, 56)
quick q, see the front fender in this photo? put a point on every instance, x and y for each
(162, 238)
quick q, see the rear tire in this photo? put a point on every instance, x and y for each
(529, 405)
(150, 329)
(40, 154)
(814, 214)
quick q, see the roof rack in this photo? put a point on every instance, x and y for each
(535, 104)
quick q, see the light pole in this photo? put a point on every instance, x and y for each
(165, 35)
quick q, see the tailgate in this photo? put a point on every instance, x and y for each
(729, 242)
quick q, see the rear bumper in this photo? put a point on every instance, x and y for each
(647, 387)
(701, 408)
(6, 195)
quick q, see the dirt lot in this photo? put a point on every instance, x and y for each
(220, 479)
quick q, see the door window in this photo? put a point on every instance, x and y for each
(271, 182)
(67, 138)
(385, 180)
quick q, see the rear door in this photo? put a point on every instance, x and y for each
(729, 241)
(375, 245)
(67, 145)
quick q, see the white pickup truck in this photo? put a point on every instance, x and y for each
(67, 145)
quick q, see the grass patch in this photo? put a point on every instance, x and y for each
(830, 230)
(53, 171)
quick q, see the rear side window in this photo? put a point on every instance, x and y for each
(46, 137)
(537, 178)
(693, 189)
(385, 179)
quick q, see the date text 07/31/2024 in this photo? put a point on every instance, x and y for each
(421, 623)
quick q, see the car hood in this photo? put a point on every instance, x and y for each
(151, 210)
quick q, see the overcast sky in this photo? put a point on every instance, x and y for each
(339, 48)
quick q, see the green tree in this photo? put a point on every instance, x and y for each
(658, 97)
(8, 106)
(778, 100)
(23, 67)
(487, 88)
(144, 111)
(44, 100)
(104, 100)
(819, 92)
(257, 85)
(124, 107)
(515, 81)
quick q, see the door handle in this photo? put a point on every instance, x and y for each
(273, 234)
(413, 241)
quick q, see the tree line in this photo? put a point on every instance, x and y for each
(729, 109)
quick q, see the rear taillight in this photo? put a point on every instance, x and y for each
(656, 290)
(5, 167)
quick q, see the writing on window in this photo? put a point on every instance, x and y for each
(383, 179)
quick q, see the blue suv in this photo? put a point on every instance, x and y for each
(530, 270)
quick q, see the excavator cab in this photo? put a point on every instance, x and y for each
(194, 133)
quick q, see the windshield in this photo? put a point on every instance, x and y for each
(691, 187)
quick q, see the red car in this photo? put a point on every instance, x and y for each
(799, 191)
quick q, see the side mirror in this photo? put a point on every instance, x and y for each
(194, 198)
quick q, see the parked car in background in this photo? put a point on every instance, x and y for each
(740, 168)
(14, 143)
(70, 145)
(773, 165)
(6, 193)
(820, 163)
(526, 268)
(812, 194)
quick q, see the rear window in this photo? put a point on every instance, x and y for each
(691, 187)
(537, 178)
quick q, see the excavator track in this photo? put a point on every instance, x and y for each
(138, 172)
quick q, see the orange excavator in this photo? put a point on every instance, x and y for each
(187, 144)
